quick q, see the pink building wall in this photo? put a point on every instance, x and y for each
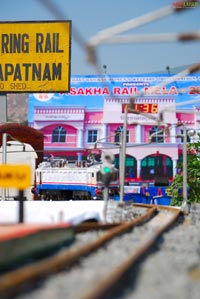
(93, 110)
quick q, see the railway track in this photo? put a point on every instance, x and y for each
(97, 261)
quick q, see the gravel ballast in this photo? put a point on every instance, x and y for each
(170, 270)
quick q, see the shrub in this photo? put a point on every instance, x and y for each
(193, 177)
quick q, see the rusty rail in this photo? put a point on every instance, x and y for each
(109, 282)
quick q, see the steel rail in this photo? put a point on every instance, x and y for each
(108, 283)
(13, 280)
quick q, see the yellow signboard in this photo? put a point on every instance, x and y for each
(35, 56)
(17, 176)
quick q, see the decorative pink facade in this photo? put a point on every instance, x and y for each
(77, 122)
(91, 116)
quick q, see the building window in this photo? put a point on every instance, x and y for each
(59, 134)
(188, 137)
(159, 137)
(92, 136)
(118, 133)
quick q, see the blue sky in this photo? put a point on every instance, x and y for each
(90, 16)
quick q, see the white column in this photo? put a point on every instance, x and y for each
(173, 135)
(138, 134)
(80, 138)
(138, 168)
(104, 131)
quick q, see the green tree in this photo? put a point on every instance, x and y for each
(193, 177)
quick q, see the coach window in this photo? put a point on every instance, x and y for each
(59, 134)
(92, 136)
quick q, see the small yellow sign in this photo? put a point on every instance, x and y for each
(35, 56)
(17, 176)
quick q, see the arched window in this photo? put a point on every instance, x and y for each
(130, 166)
(118, 133)
(159, 137)
(156, 166)
(59, 134)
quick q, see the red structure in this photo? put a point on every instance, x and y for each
(24, 134)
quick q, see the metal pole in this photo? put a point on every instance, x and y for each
(185, 206)
(21, 206)
(3, 119)
(4, 141)
(3, 108)
(106, 196)
(4, 159)
(123, 155)
(120, 160)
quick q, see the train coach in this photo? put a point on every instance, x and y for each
(58, 180)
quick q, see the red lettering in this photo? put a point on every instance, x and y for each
(125, 91)
(116, 90)
(105, 91)
(80, 91)
(147, 90)
(133, 90)
(73, 90)
(97, 91)
(157, 90)
(88, 91)
(164, 91)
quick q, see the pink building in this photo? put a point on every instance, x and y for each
(73, 128)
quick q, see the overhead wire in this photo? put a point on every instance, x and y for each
(112, 34)
(154, 38)
(88, 50)
(107, 34)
